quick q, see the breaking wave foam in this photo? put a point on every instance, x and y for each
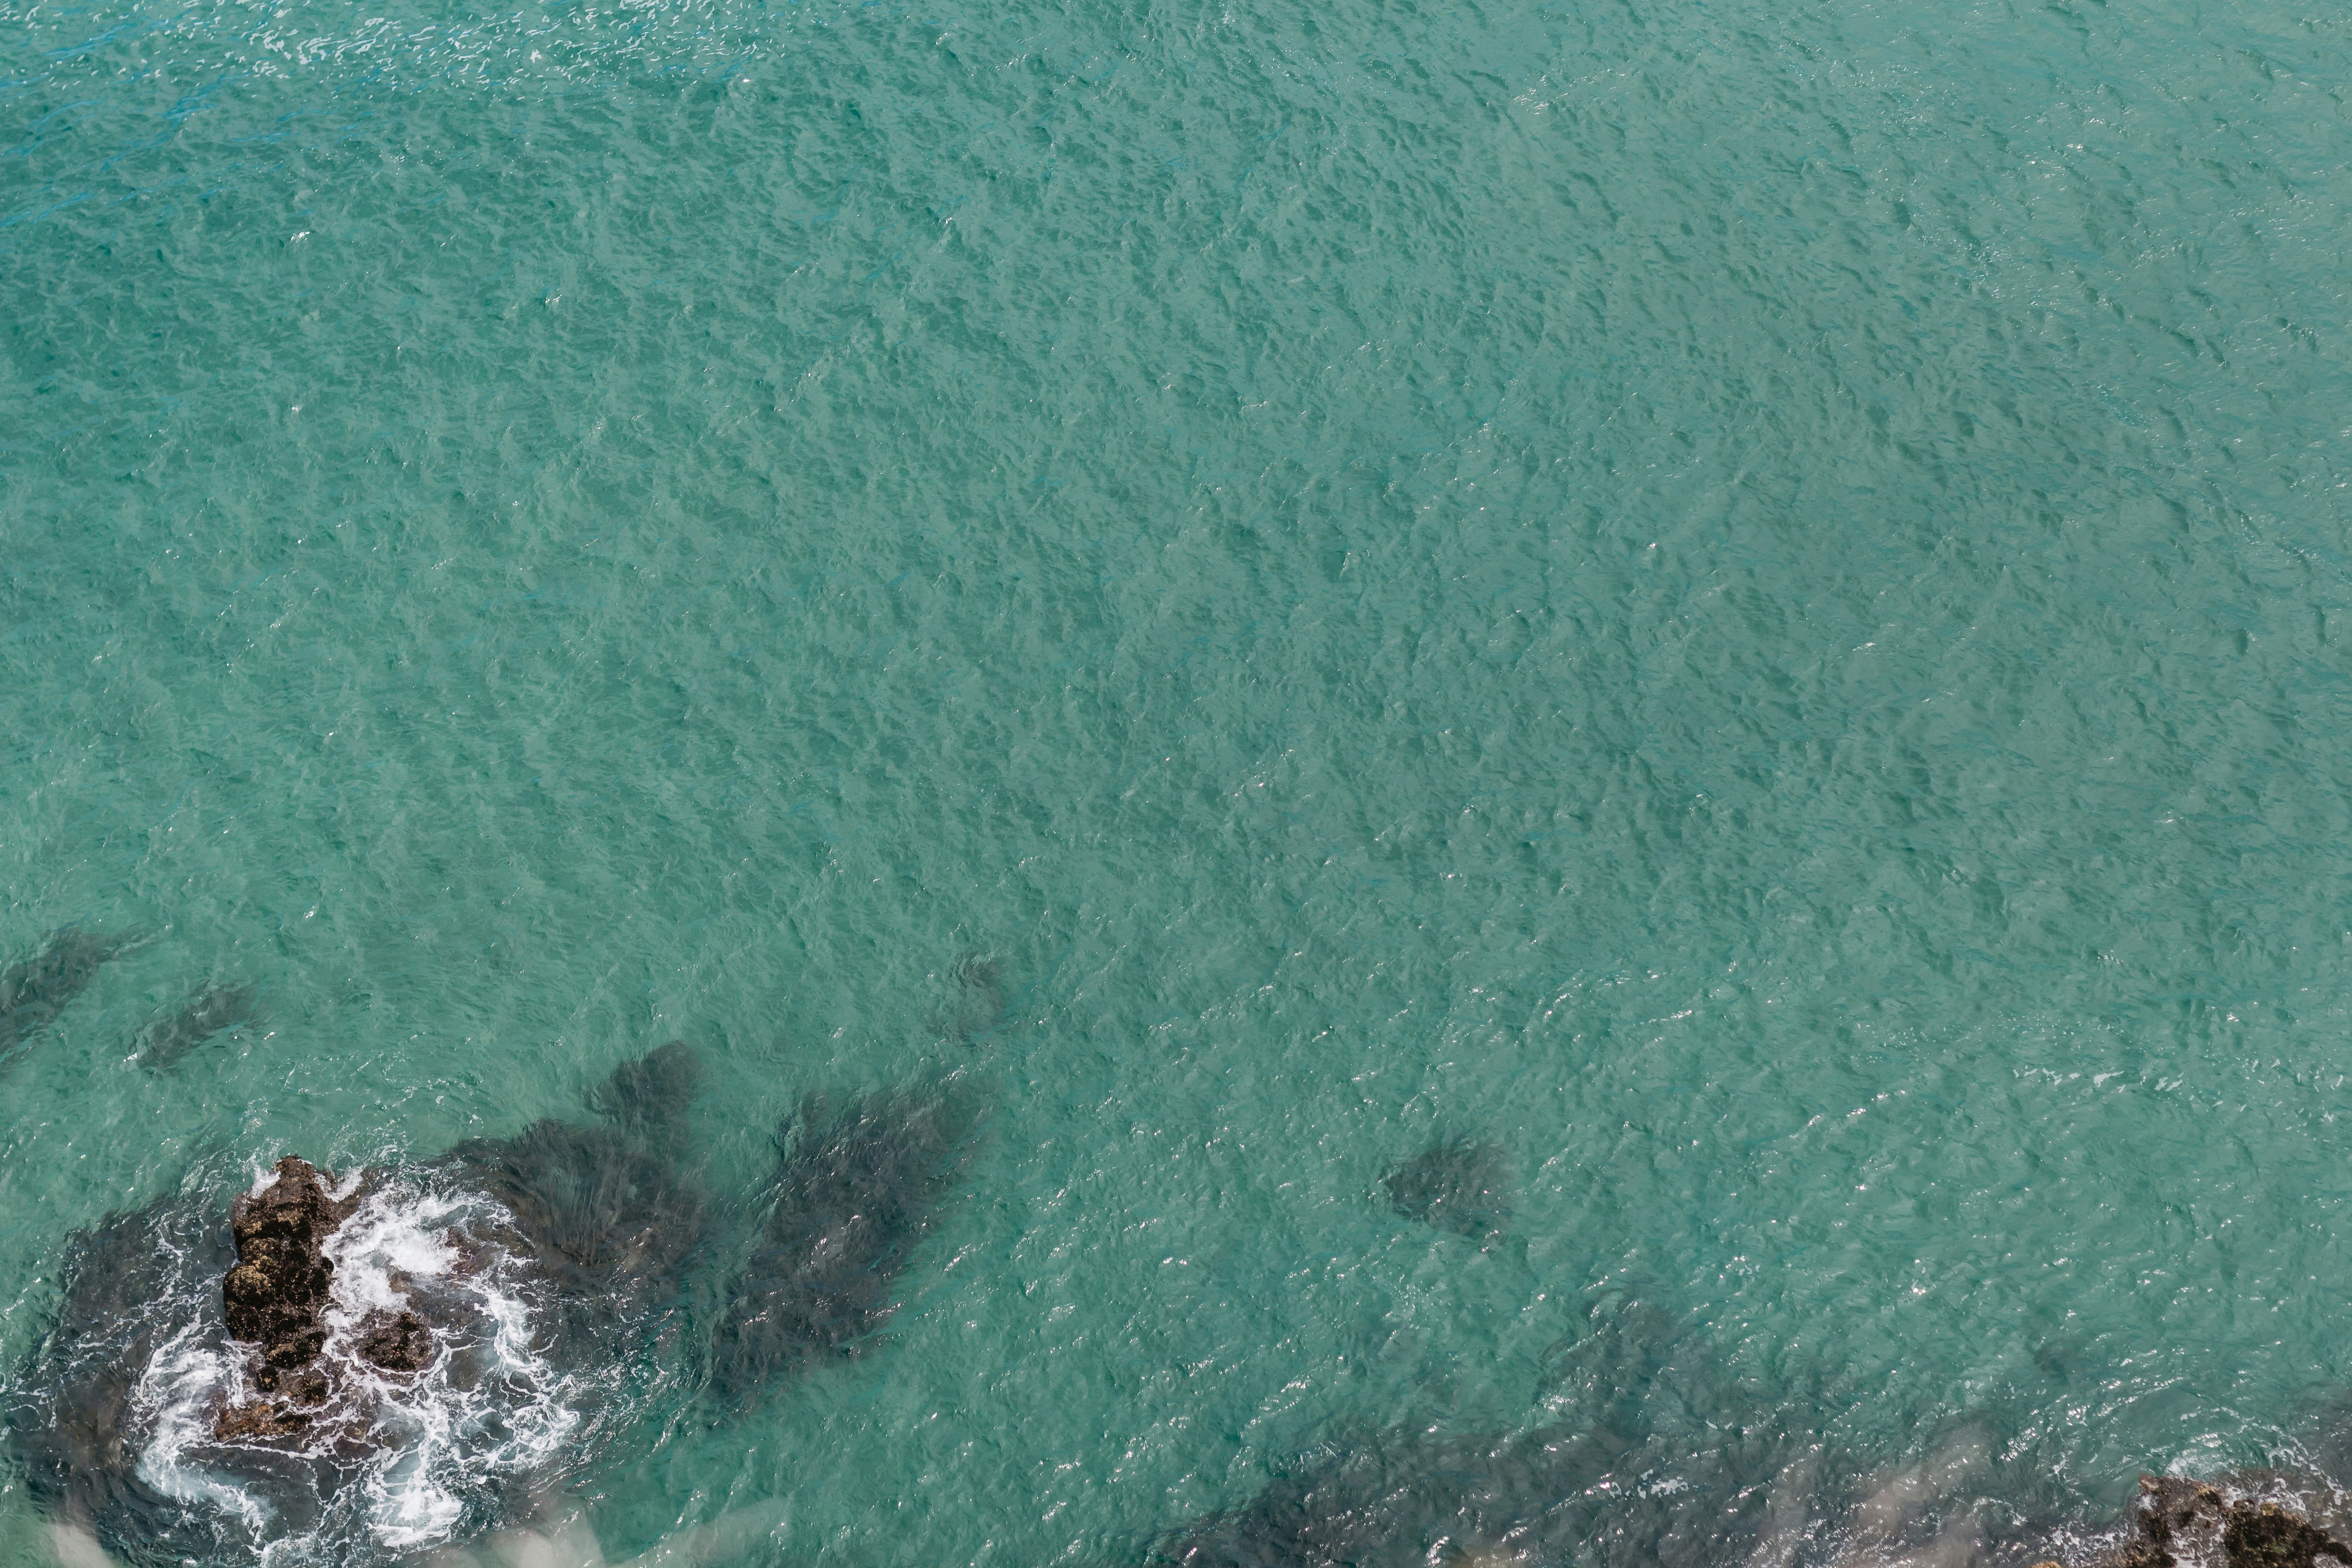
(393, 1461)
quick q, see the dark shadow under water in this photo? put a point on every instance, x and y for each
(1641, 1452)
(606, 1218)
(212, 1010)
(70, 1423)
(857, 1184)
(1456, 1184)
(36, 990)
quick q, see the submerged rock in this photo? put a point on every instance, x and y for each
(1456, 1185)
(38, 989)
(305, 1380)
(128, 1282)
(857, 1187)
(381, 1372)
(647, 1098)
(209, 1012)
(1648, 1455)
(981, 1001)
(604, 1225)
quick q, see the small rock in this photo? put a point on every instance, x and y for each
(400, 1343)
(263, 1419)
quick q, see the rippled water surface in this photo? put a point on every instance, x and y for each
(1748, 601)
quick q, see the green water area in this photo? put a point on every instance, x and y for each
(1419, 785)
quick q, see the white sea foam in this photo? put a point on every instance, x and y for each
(176, 1393)
(489, 1407)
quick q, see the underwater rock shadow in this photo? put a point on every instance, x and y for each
(69, 1417)
(647, 1098)
(980, 1003)
(1642, 1450)
(1639, 1460)
(36, 990)
(1456, 1184)
(605, 1217)
(211, 1010)
(858, 1183)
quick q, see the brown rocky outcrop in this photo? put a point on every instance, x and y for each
(277, 1295)
(2177, 1520)
(276, 1300)
(396, 1343)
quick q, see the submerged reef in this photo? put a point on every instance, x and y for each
(857, 1184)
(604, 1219)
(343, 1372)
(647, 1098)
(980, 1003)
(603, 1224)
(1456, 1185)
(354, 1371)
(1644, 1452)
(213, 1010)
(37, 990)
(70, 1419)
(1648, 1457)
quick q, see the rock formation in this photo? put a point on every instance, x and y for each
(585, 1235)
(2176, 1521)
(37, 990)
(1456, 1185)
(398, 1343)
(276, 1300)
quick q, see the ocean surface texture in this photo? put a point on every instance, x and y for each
(1743, 607)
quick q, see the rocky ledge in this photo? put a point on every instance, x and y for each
(276, 1300)
(2251, 1518)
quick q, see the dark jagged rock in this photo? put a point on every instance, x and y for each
(856, 1188)
(276, 1297)
(261, 1421)
(2177, 1520)
(38, 989)
(209, 1012)
(1456, 1185)
(2265, 1535)
(396, 1343)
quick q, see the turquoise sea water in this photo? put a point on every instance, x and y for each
(1748, 601)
